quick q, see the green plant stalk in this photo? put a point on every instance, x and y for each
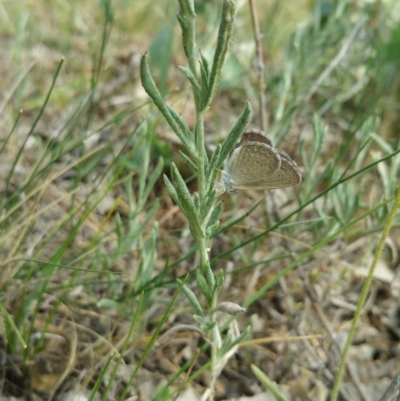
(364, 294)
(201, 162)
(202, 240)
(216, 344)
(187, 20)
(270, 385)
(198, 208)
(101, 376)
(204, 260)
(124, 347)
(8, 319)
(150, 344)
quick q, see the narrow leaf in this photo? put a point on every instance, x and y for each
(188, 161)
(224, 35)
(205, 76)
(192, 79)
(184, 127)
(236, 132)
(151, 181)
(209, 275)
(151, 89)
(204, 287)
(172, 191)
(192, 299)
(208, 206)
(211, 229)
(186, 200)
(220, 276)
(270, 385)
(205, 66)
(215, 214)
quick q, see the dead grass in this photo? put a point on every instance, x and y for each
(73, 229)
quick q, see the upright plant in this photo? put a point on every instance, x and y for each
(200, 209)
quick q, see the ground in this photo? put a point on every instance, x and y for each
(92, 245)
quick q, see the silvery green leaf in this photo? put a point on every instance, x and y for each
(213, 170)
(205, 74)
(205, 211)
(234, 135)
(209, 275)
(204, 286)
(196, 200)
(219, 280)
(215, 214)
(210, 230)
(185, 129)
(171, 190)
(188, 161)
(185, 200)
(224, 36)
(192, 79)
(192, 298)
(214, 158)
(201, 322)
(151, 89)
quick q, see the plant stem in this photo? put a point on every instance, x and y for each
(364, 294)
(187, 12)
(201, 159)
(202, 187)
